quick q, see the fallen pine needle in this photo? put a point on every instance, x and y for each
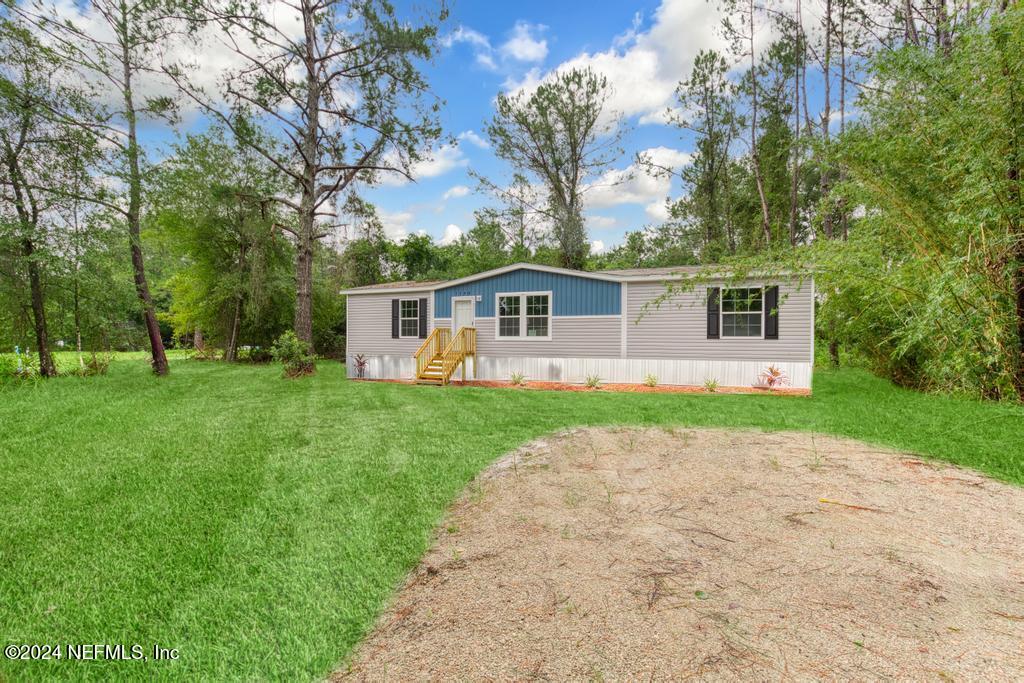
(848, 505)
(1012, 617)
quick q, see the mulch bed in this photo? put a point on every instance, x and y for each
(613, 387)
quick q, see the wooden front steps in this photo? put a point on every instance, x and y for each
(433, 372)
(442, 354)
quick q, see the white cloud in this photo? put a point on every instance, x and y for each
(601, 222)
(596, 247)
(481, 44)
(452, 233)
(633, 184)
(444, 159)
(396, 225)
(526, 83)
(473, 137)
(436, 163)
(524, 45)
(464, 34)
(657, 211)
(644, 67)
(456, 192)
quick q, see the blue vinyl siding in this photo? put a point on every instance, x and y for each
(571, 295)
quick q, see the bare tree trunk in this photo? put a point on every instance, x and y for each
(307, 209)
(910, 28)
(844, 217)
(795, 182)
(943, 30)
(156, 343)
(76, 286)
(198, 343)
(755, 155)
(833, 353)
(826, 121)
(28, 217)
(46, 366)
(1015, 205)
(231, 353)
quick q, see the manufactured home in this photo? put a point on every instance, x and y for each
(681, 325)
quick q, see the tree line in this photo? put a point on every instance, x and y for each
(875, 143)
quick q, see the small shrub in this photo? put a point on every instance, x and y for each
(711, 385)
(19, 366)
(96, 365)
(8, 368)
(773, 378)
(651, 380)
(592, 382)
(207, 353)
(517, 378)
(360, 363)
(255, 354)
(294, 354)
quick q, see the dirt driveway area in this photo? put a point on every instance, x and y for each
(664, 555)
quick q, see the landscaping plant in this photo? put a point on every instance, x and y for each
(772, 377)
(360, 363)
(294, 354)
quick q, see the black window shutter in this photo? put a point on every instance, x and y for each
(713, 294)
(771, 309)
(423, 318)
(394, 318)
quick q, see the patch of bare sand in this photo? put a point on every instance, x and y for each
(649, 554)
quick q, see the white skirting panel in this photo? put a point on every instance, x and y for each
(728, 373)
(386, 367)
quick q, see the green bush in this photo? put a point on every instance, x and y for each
(294, 354)
(96, 365)
(254, 354)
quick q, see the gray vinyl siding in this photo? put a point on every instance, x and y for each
(678, 329)
(369, 324)
(571, 337)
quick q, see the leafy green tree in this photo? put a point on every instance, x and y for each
(562, 135)
(707, 101)
(211, 209)
(930, 285)
(343, 102)
(109, 47)
(37, 154)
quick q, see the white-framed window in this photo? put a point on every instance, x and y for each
(743, 312)
(409, 318)
(523, 315)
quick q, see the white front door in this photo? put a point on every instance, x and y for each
(463, 314)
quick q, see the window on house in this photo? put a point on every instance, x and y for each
(409, 318)
(524, 315)
(508, 316)
(742, 312)
(537, 306)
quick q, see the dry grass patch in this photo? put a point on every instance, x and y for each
(664, 554)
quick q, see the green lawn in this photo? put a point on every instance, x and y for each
(259, 524)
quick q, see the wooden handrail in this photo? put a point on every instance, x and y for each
(462, 345)
(433, 345)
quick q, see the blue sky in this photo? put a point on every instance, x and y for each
(644, 48)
